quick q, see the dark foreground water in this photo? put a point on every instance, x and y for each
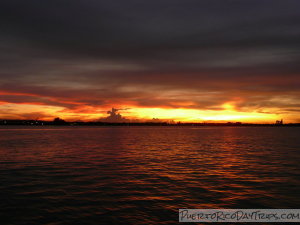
(143, 175)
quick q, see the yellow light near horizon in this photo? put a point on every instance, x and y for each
(165, 114)
(228, 106)
(194, 115)
(229, 114)
(242, 117)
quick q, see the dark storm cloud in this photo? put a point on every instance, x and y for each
(143, 29)
(97, 52)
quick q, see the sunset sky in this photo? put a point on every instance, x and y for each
(186, 60)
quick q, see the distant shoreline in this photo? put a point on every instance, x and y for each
(64, 123)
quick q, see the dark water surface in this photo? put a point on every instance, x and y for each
(143, 175)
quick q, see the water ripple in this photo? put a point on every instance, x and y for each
(143, 175)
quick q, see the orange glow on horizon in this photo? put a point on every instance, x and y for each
(225, 112)
(228, 114)
(195, 115)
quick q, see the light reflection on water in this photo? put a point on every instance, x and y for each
(143, 175)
